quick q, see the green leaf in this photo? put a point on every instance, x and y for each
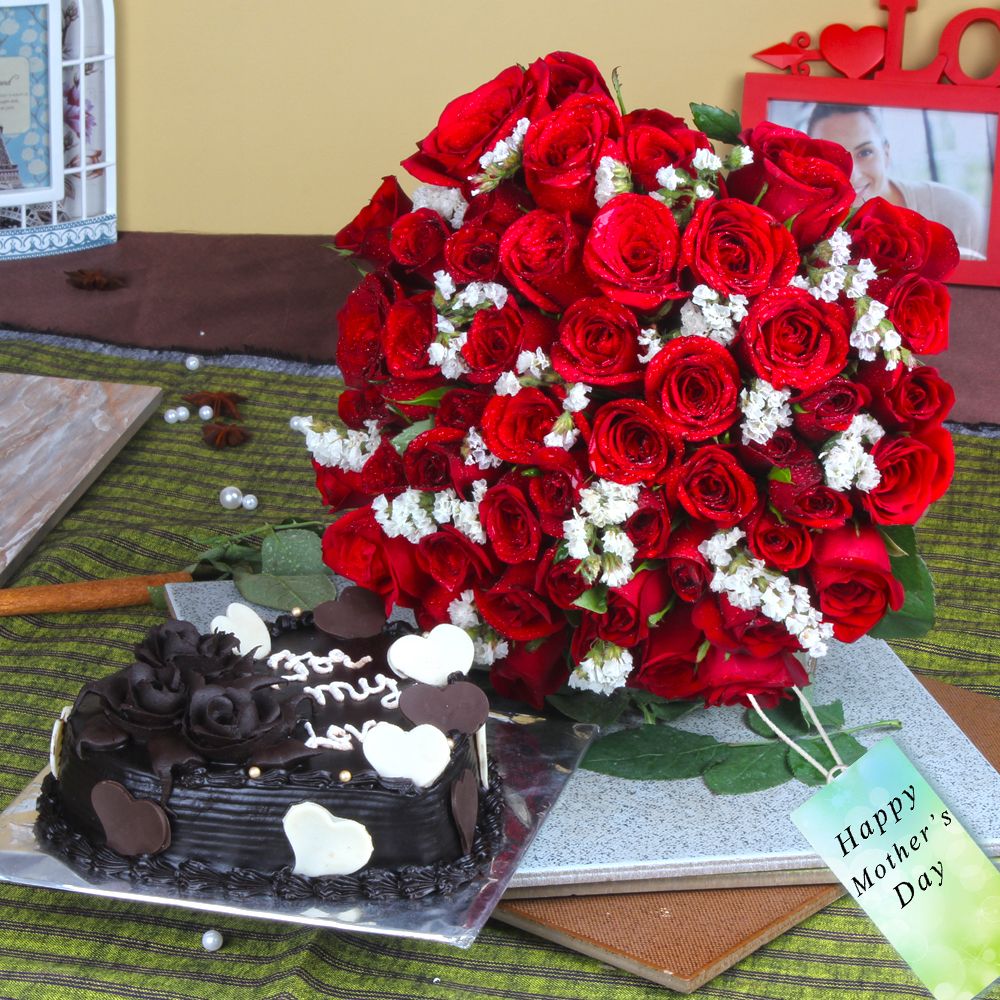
(429, 398)
(654, 753)
(777, 475)
(595, 599)
(158, 598)
(651, 564)
(790, 719)
(847, 746)
(716, 123)
(900, 539)
(586, 706)
(749, 769)
(292, 553)
(663, 709)
(916, 617)
(285, 592)
(404, 437)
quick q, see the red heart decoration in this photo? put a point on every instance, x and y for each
(131, 826)
(853, 53)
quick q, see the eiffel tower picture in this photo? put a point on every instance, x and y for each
(10, 176)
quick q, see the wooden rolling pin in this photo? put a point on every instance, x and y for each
(91, 595)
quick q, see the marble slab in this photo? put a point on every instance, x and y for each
(57, 435)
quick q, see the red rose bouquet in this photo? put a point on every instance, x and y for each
(634, 414)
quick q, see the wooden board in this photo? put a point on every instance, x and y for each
(682, 938)
(57, 436)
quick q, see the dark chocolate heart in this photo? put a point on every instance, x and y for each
(460, 706)
(465, 808)
(356, 614)
(131, 826)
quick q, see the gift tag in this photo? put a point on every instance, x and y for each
(915, 870)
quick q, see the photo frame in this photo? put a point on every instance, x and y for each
(31, 120)
(957, 128)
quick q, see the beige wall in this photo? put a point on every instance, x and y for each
(280, 116)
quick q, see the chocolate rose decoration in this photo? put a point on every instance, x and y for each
(229, 723)
(142, 700)
(178, 644)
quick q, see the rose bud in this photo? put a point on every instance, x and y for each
(514, 609)
(572, 74)
(409, 330)
(830, 409)
(649, 527)
(361, 321)
(741, 629)
(667, 664)
(560, 581)
(807, 500)
(689, 571)
(367, 235)
(529, 673)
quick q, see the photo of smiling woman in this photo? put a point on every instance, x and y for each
(939, 163)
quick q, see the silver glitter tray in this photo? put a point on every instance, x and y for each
(535, 758)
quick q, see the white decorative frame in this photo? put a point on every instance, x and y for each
(81, 213)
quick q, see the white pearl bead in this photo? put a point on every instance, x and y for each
(171, 416)
(192, 363)
(183, 413)
(249, 502)
(297, 424)
(205, 413)
(231, 497)
(211, 940)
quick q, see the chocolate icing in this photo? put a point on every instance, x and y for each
(229, 762)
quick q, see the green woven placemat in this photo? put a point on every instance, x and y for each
(152, 510)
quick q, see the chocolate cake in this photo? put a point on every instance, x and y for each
(330, 766)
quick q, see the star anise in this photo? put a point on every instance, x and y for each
(224, 435)
(223, 403)
(94, 281)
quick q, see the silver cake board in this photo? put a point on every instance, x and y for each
(609, 834)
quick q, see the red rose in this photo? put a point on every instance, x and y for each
(383, 472)
(355, 406)
(804, 181)
(631, 252)
(453, 562)
(540, 256)
(649, 527)
(853, 580)
(432, 460)
(738, 249)
(712, 486)
(899, 241)
(626, 622)
(557, 489)
(915, 470)
(597, 343)
(514, 427)
(498, 209)
(696, 385)
(572, 74)
(783, 450)
(807, 500)
(354, 547)
(629, 443)
(830, 409)
(513, 609)
(360, 322)
(339, 488)
(559, 581)
(462, 408)
(727, 678)
(472, 254)
(510, 523)
(792, 339)
(417, 240)
(785, 545)
(400, 392)
(919, 399)
(739, 629)
(563, 150)
(367, 234)
(689, 570)
(409, 330)
(919, 309)
(667, 667)
(475, 122)
(528, 673)
(655, 139)
(497, 336)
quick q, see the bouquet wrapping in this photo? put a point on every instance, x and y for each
(634, 413)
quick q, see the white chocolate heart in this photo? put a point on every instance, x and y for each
(325, 844)
(420, 754)
(56, 739)
(248, 627)
(432, 658)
